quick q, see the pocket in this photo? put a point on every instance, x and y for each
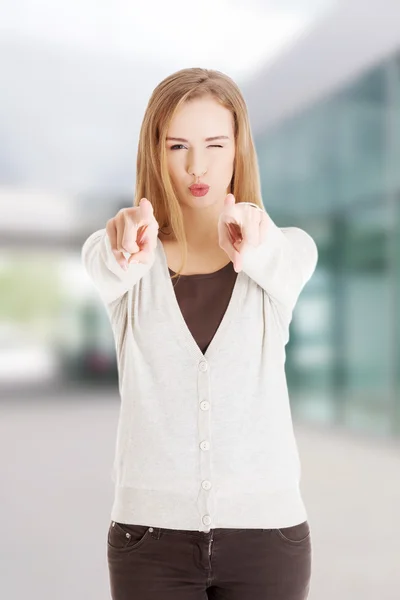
(122, 536)
(296, 534)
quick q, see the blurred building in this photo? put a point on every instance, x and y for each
(326, 120)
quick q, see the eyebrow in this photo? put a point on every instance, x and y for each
(209, 139)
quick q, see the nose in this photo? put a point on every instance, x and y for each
(196, 166)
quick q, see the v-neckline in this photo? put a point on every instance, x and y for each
(230, 311)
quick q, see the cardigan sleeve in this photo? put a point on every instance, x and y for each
(110, 280)
(282, 264)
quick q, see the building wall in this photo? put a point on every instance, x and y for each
(334, 170)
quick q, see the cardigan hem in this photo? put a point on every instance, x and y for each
(264, 510)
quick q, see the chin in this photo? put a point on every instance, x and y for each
(202, 201)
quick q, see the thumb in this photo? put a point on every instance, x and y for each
(229, 200)
(147, 207)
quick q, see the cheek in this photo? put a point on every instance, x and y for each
(173, 168)
(222, 160)
(226, 166)
(229, 159)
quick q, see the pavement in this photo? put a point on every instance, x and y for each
(56, 494)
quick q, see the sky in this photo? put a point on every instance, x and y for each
(234, 34)
(77, 76)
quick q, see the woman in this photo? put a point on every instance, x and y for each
(200, 285)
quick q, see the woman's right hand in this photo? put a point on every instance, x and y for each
(135, 231)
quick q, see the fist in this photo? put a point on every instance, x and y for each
(239, 226)
(134, 231)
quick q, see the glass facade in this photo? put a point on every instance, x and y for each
(334, 170)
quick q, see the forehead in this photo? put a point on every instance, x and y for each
(200, 118)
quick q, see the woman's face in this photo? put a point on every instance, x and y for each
(194, 159)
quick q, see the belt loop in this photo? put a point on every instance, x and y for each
(156, 532)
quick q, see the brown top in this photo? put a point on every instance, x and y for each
(203, 300)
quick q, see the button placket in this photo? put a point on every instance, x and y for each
(205, 500)
(203, 366)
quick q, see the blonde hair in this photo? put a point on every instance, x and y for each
(152, 177)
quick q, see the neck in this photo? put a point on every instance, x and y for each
(204, 252)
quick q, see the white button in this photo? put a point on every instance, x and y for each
(207, 520)
(204, 405)
(205, 445)
(203, 366)
(206, 485)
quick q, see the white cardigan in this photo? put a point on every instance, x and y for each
(205, 441)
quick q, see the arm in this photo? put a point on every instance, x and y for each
(282, 264)
(110, 280)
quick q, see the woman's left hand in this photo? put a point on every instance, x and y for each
(239, 226)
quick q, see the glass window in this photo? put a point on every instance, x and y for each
(334, 171)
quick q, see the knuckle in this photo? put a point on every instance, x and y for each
(121, 212)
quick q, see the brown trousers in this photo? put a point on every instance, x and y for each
(153, 563)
